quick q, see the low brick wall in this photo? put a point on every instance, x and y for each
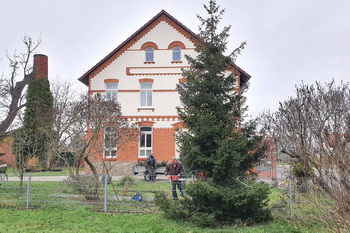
(115, 168)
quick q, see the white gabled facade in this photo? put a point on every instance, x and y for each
(146, 86)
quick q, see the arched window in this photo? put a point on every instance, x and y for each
(149, 54)
(176, 53)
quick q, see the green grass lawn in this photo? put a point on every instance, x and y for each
(57, 194)
(51, 213)
(11, 172)
(82, 219)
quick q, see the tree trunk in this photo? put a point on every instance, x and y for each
(77, 163)
(16, 94)
(91, 166)
(94, 171)
(21, 175)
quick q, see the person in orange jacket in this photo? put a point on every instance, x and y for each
(175, 169)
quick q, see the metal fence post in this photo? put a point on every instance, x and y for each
(105, 207)
(290, 198)
(29, 189)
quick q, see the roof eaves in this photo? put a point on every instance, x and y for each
(84, 78)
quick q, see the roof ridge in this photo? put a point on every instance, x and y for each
(85, 76)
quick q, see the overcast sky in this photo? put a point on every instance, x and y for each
(288, 41)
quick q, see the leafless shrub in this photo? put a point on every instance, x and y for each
(85, 185)
(314, 129)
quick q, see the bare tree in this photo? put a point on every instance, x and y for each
(21, 148)
(65, 120)
(314, 129)
(12, 86)
(82, 124)
(96, 127)
(100, 118)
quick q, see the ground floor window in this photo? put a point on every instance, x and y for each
(145, 141)
(110, 142)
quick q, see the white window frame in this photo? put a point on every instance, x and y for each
(149, 54)
(110, 142)
(146, 141)
(111, 91)
(146, 97)
(176, 53)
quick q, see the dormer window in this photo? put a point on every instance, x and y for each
(176, 53)
(149, 54)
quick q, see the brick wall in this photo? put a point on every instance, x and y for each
(40, 67)
(163, 147)
(115, 168)
(164, 143)
(6, 152)
(128, 152)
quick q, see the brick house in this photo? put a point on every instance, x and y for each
(6, 155)
(143, 73)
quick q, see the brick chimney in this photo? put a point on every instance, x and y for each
(40, 67)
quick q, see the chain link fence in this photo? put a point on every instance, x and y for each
(294, 197)
(290, 196)
(99, 193)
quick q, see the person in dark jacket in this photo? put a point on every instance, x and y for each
(151, 166)
(175, 169)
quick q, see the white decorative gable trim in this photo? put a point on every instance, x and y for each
(160, 122)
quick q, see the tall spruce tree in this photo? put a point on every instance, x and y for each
(217, 142)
